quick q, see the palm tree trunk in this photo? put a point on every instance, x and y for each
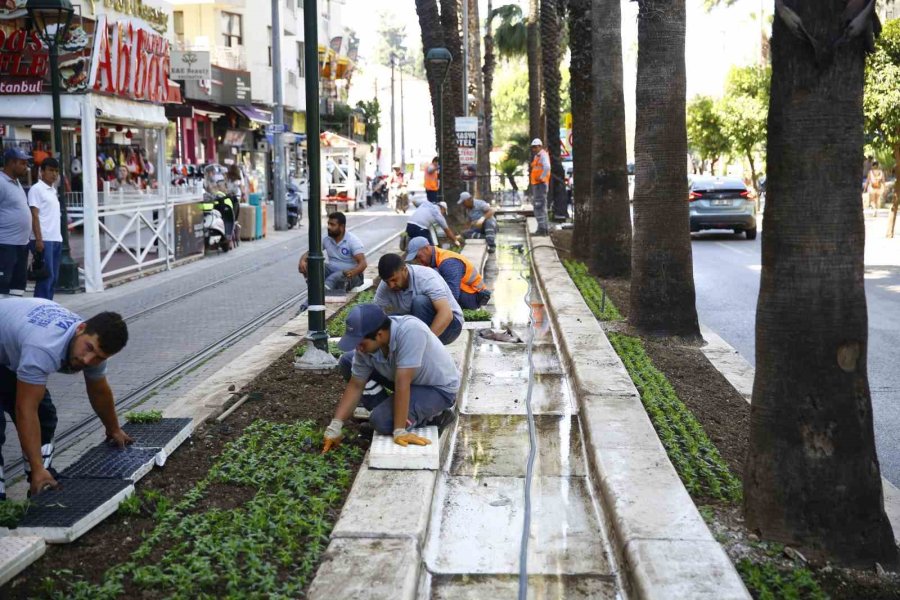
(451, 181)
(812, 477)
(535, 120)
(490, 63)
(483, 180)
(611, 215)
(662, 274)
(582, 92)
(550, 41)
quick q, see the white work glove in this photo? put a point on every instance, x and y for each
(333, 435)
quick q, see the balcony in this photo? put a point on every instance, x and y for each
(228, 58)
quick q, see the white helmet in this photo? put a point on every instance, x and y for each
(537, 142)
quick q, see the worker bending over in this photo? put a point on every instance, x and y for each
(402, 354)
(426, 215)
(480, 219)
(462, 277)
(37, 338)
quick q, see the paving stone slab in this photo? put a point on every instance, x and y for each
(507, 360)
(367, 569)
(166, 436)
(63, 515)
(17, 553)
(111, 462)
(565, 535)
(492, 395)
(498, 446)
(541, 587)
(385, 454)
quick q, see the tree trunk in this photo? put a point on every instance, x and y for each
(535, 120)
(812, 478)
(483, 168)
(662, 281)
(611, 215)
(451, 180)
(433, 37)
(582, 92)
(490, 64)
(550, 40)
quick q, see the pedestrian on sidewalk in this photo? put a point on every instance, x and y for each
(433, 180)
(540, 183)
(15, 223)
(480, 220)
(875, 185)
(426, 215)
(461, 276)
(399, 194)
(402, 354)
(345, 253)
(39, 337)
(46, 230)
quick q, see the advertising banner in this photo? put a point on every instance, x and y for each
(467, 142)
(190, 65)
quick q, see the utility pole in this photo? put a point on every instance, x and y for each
(393, 125)
(402, 124)
(278, 127)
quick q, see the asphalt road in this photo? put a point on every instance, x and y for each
(726, 274)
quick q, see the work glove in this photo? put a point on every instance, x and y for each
(404, 438)
(333, 435)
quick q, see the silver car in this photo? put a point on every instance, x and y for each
(721, 203)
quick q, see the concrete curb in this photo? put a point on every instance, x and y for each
(662, 541)
(740, 373)
(377, 543)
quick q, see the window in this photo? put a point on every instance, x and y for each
(270, 46)
(178, 26)
(301, 56)
(232, 30)
(299, 3)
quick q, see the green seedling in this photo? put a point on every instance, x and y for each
(476, 314)
(337, 323)
(767, 582)
(11, 512)
(593, 294)
(147, 416)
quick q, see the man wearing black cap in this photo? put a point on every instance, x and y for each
(15, 223)
(402, 354)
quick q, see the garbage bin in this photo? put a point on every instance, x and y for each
(247, 219)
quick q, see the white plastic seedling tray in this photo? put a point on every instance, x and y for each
(17, 553)
(385, 454)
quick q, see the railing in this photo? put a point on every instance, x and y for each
(227, 57)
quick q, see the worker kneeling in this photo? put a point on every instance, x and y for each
(402, 354)
(462, 277)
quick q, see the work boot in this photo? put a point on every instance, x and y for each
(361, 413)
(444, 419)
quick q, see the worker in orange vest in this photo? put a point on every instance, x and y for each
(540, 182)
(461, 276)
(433, 180)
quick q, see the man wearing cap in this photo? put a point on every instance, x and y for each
(401, 353)
(462, 277)
(481, 221)
(346, 256)
(15, 223)
(46, 232)
(540, 181)
(426, 215)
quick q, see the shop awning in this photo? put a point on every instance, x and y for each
(255, 114)
(174, 93)
(36, 109)
(119, 110)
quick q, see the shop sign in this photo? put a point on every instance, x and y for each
(190, 66)
(225, 88)
(130, 60)
(188, 230)
(23, 62)
(467, 142)
(157, 18)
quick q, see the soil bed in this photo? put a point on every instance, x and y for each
(285, 396)
(725, 416)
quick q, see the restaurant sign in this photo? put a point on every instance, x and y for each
(130, 60)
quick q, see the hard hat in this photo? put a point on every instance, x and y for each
(537, 142)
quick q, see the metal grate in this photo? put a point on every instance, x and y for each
(105, 462)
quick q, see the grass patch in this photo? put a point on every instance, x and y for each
(266, 548)
(767, 582)
(477, 314)
(11, 512)
(146, 416)
(332, 350)
(338, 322)
(695, 458)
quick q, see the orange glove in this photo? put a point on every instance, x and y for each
(404, 438)
(333, 435)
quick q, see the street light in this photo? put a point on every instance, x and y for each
(439, 59)
(50, 20)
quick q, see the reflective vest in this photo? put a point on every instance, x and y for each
(471, 282)
(539, 172)
(432, 181)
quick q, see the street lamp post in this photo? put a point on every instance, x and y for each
(440, 59)
(50, 20)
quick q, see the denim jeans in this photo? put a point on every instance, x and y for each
(336, 280)
(13, 269)
(52, 256)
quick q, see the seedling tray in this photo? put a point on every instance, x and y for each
(385, 454)
(63, 515)
(110, 462)
(17, 553)
(165, 436)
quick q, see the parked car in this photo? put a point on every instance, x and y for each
(721, 203)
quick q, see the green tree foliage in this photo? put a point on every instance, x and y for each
(882, 94)
(511, 100)
(744, 113)
(373, 118)
(510, 34)
(706, 133)
(392, 40)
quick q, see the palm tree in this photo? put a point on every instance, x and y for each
(551, 38)
(535, 119)
(812, 477)
(662, 275)
(582, 93)
(490, 63)
(610, 233)
(430, 22)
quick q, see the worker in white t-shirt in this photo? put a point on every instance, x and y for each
(46, 229)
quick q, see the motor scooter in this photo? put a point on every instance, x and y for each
(292, 201)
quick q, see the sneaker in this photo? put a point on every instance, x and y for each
(492, 249)
(361, 413)
(444, 419)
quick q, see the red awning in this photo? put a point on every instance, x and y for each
(174, 93)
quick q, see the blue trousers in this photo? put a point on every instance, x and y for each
(336, 280)
(414, 231)
(425, 402)
(488, 231)
(432, 196)
(52, 256)
(13, 269)
(423, 309)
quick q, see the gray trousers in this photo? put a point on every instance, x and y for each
(336, 280)
(425, 402)
(539, 193)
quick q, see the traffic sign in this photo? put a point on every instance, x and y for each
(275, 128)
